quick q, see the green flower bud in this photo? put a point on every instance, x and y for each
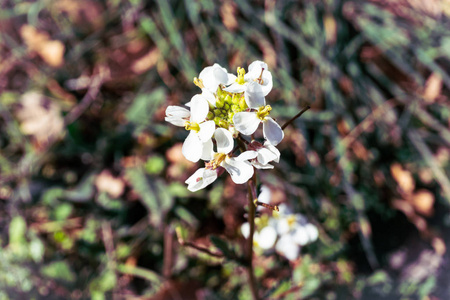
(217, 120)
(223, 124)
(243, 104)
(226, 106)
(228, 99)
(217, 112)
(210, 115)
(220, 103)
(235, 108)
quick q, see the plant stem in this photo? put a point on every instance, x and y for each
(251, 220)
(295, 117)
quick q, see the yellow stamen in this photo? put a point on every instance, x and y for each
(291, 220)
(192, 126)
(240, 78)
(263, 112)
(259, 79)
(198, 82)
(218, 159)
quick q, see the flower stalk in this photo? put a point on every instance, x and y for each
(251, 184)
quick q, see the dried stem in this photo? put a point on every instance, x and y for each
(295, 117)
(201, 249)
(251, 184)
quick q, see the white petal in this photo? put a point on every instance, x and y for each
(245, 230)
(231, 79)
(255, 68)
(206, 130)
(258, 165)
(267, 237)
(220, 74)
(200, 179)
(254, 95)
(272, 131)
(177, 115)
(209, 96)
(265, 194)
(267, 83)
(312, 231)
(284, 210)
(192, 147)
(283, 226)
(199, 108)
(207, 151)
(265, 156)
(224, 140)
(235, 88)
(240, 171)
(274, 150)
(247, 155)
(287, 247)
(246, 122)
(301, 236)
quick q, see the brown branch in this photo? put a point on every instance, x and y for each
(295, 117)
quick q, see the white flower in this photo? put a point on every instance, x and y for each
(248, 121)
(201, 178)
(239, 168)
(266, 154)
(264, 239)
(258, 73)
(177, 115)
(294, 232)
(209, 80)
(201, 131)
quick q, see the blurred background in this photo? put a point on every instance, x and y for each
(92, 178)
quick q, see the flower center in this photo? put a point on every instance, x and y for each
(192, 126)
(198, 82)
(291, 220)
(240, 78)
(263, 112)
(217, 160)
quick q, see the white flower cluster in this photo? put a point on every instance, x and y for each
(287, 231)
(228, 107)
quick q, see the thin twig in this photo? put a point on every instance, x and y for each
(251, 185)
(201, 249)
(295, 117)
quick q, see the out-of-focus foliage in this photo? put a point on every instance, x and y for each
(92, 179)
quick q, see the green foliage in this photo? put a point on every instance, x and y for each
(92, 187)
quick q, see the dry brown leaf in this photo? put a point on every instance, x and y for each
(433, 87)
(404, 178)
(228, 15)
(40, 117)
(106, 182)
(146, 62)
(51, 51)
(423, 201)
(330, 26)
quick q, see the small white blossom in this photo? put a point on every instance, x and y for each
(201, 131)
(239, 168)
(177, 115)
(257, 73)
(266, 154)
(248, 121)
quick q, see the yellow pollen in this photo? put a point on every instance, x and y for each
(192, 126)
(291, 220)
(263, 112)
(198, 82)
(240, 78)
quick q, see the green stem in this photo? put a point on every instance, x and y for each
(251, 220)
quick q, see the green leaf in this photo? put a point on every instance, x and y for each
(17, 230)
(223, 246)
(59, 270)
